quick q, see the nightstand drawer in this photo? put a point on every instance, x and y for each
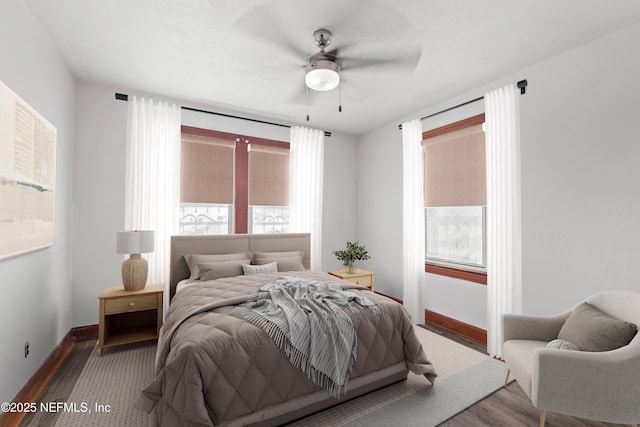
(362, 280)
(360, 277)
(132, 303)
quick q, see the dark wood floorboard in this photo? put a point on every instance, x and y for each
(507, 407)
(61, 384)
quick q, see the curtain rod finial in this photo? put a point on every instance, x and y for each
(522, 85)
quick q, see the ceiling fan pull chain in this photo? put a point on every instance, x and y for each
(307, 103)
(339, 98)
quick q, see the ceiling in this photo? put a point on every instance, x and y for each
(249, 55)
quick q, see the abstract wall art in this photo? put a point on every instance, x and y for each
(27, 177)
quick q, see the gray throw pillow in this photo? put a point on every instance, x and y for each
(218, 270)
(592, 330)
(293, 263)
(193, 260)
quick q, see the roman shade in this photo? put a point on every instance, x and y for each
(207, 166)
(268, 175)
(455, 171)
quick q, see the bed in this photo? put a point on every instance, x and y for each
(214, 368)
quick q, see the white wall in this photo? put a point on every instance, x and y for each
(36, 287)
(580, 150)
(580, 174)
(99, 187)
(380, 207)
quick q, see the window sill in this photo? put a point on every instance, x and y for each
(471, 276)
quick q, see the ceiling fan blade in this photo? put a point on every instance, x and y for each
(396, 63)
(336, 51)
(257, 24)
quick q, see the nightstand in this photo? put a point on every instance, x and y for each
(129, 316)
(360, 277)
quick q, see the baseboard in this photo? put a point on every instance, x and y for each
(464, 329)
(85, 333)
(33, 388)
(469, 331)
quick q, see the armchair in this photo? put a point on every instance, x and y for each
(603, 386)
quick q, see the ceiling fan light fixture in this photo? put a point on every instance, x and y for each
(322, 75)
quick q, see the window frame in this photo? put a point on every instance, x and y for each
(458, 271)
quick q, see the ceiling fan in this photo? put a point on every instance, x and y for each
(322, 71)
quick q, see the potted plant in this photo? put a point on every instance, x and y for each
(354, 252)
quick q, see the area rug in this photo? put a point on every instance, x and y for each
(465, 376)
(108, 386)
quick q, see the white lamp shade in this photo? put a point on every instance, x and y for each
(322, 75)
(134, 242)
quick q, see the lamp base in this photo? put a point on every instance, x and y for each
(134, 273)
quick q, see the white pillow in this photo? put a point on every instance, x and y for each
(271, 267)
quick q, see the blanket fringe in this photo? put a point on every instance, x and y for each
(342, 304)
(335, 386)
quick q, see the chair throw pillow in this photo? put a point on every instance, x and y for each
(592, 330)
(562, 345)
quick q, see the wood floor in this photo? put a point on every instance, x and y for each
(507, 407)
(61, 384)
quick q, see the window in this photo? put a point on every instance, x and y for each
(232, 184)
(268, 219)
(456, 235)
(455, 197)
(205, 218)
(268, 189)
(206, 184)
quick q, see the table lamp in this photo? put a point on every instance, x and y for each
(135, 268)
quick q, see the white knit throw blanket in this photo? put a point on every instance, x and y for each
(309, 320)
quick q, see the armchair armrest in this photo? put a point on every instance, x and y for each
(529, 327)
(570, 382)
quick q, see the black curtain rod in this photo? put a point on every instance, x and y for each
(124, 97)
(522, 85)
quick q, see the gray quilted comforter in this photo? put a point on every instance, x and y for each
(213, 368)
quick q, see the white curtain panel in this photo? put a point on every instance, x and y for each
(306, 175)
(152, 194)
(504, 230)
(413, 247)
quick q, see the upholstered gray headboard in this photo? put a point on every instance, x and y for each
(232, 243)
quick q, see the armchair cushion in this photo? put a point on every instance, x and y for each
(592, 330)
